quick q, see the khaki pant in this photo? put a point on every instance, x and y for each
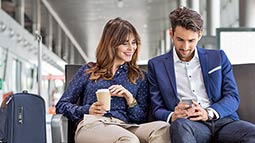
(98, 129)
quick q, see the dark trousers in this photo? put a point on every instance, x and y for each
(223, 130)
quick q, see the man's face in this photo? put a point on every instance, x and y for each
(185, 42)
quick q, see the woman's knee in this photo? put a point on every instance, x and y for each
(105, 133)
(160, 133)
(129, 138)
(161, 125)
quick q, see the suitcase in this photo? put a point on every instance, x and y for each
(26, 123)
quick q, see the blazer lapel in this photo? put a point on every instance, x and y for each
(169, 67)
(203, 59)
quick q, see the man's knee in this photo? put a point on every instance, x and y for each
(250, 132)
(179, 123)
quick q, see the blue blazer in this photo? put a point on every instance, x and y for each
(218, 80)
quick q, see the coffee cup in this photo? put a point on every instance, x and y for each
(104, 97)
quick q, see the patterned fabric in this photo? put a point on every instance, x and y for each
(82, 86)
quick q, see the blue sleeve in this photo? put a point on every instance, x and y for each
(158, 105)
(139, 112)
(228, 97)
(67, 105)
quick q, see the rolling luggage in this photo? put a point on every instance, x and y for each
(25, 119)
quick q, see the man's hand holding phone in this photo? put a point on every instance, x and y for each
(190, 102)
(187, 100)
(194, 111)
(183, 109)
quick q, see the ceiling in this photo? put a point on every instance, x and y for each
(86, 18)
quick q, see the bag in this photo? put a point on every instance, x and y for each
(23, 119)
(3, 125)
(3, 117)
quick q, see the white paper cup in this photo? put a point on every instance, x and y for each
(104, 97)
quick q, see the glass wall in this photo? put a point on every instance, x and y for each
(34, 15)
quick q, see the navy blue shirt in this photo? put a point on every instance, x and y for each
(82, 86)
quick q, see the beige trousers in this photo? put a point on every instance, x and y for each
(98, 129)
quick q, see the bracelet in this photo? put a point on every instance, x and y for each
(133, 103)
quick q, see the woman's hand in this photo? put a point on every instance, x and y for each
(120, 91)
(97, 109)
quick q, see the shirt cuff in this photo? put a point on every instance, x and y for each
(217, 116)
(86, 109)
(169, 117)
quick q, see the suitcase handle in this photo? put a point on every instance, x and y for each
(20, 115)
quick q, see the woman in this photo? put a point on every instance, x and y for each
(115, 69)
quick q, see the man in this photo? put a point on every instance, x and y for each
(206, 77)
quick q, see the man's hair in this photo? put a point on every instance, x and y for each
(187, 18)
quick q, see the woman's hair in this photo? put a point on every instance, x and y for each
(115, 33)
(187, 18)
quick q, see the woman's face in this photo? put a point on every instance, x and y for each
(125, 51)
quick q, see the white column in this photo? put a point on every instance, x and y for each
(59, 41)
(36, 15)
(213, 16)
(50, 36)
(65, 48)
(71, 54)
(246, 13)
(167, 40)
(20, 12)
(162, 47)
(194, 4)
(182, 3)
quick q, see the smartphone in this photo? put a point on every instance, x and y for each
(187, 100)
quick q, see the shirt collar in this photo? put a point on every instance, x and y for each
(177, 59)
(124, 66)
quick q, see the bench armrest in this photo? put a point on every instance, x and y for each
(59, 128)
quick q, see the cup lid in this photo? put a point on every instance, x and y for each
(102, 90)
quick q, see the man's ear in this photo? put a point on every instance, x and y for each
(171, 33)
(200, 34)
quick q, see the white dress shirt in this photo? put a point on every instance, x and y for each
(190, 82)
